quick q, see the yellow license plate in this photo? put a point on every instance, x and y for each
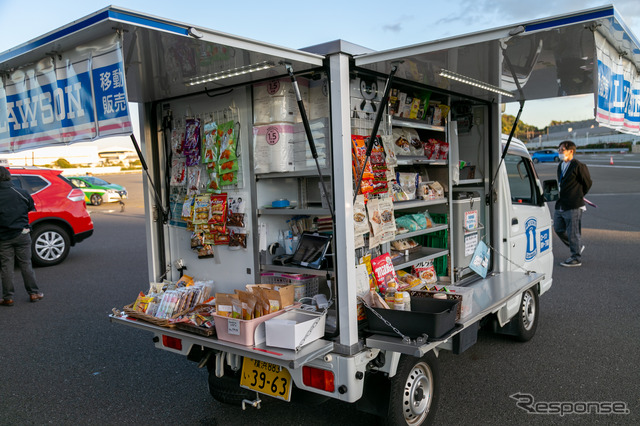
(266, 378)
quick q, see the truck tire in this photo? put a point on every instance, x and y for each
(226, 389)
(527, 317)
(415, 390)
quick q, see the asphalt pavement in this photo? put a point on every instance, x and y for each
(64, 363)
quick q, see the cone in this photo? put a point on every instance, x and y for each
(611, 160)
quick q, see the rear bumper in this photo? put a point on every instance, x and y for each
(83, 235)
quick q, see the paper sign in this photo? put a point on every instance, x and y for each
(470, 243)
(233, 327)
(471, 219)
(480, 260)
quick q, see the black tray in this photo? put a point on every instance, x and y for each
(434, 317)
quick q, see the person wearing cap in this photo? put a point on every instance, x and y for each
(15, 240)
(575, 181)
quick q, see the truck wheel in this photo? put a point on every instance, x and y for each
(49, 245)
(415, 390)
(527, 317)
(227, 390)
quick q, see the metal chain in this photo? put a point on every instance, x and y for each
(527, 271)
(405, 339)
(315, 323)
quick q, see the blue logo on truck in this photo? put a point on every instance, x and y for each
(545, 242)
(532, 246)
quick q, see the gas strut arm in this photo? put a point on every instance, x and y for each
(146, 169)
(515, 123)
(374, 131)
(307, 129)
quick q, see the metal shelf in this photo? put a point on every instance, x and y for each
(294, 174)
(411, 204)
(469, 181)
(424, 254)
(294, 270)
(435, 228)
(294, 212)
(409, 160)
(414, 124)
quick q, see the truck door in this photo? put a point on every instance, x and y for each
(529, 219)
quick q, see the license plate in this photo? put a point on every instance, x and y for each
(266, 378)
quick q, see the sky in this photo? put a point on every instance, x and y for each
(375, 24)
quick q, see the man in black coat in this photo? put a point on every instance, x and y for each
(575, 182)
(15, 241)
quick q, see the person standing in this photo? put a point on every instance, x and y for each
(15, 241)
(575, 181)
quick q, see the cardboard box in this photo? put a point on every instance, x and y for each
(287, 330)
(284, 293)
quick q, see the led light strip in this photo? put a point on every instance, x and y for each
(472, 82)
(231, 73)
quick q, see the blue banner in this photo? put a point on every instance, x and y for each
(618, 96)
(71, 98)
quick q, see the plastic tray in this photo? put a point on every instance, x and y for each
(434, 317)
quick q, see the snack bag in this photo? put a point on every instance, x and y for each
(224, 304)
(218, 209)
(178, 172)
(210, 146)
(201, 209)
(360, 224)
(193, 180)
(426, 272)
(408, 281)
(191, 144)
(375, 216)
(384, 272)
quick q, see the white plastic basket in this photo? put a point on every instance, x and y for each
(304, 285)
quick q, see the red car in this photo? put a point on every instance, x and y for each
(61, 218)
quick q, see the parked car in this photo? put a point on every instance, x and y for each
(61, 219)
(96, 190)
(545, 155)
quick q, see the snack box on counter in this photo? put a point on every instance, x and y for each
(452, 292)
(287, 330)
(433, 317)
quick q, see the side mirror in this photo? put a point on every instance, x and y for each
(550, 190)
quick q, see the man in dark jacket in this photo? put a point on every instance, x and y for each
(575, 182)
(15, 241)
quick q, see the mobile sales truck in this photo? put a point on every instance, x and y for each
(368, 198)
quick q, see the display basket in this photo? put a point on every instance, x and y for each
(207, 332)
(304, 285)
(162, 322)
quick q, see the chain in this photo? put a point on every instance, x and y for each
(405, 339)
(527, 271)
(315, 323)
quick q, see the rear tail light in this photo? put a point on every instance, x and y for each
(76, 195)
(172, 342)
(318, 378)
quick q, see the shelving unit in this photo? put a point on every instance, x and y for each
(412, 204)
(414, 124)
(311, 211)
(422, 255)
(436, 228)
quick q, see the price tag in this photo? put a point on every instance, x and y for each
(233, 327)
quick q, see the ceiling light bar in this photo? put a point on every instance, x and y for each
(231, 73)
(473, 82)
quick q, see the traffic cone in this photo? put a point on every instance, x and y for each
(611, 160)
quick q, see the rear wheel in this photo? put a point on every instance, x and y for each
(96, 199)
(49, 245)
(226, 389)
(415, 390)
(535, 160)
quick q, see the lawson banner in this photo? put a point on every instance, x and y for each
(77, 96)
(618, 97)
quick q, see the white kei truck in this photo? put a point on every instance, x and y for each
(297, 117)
